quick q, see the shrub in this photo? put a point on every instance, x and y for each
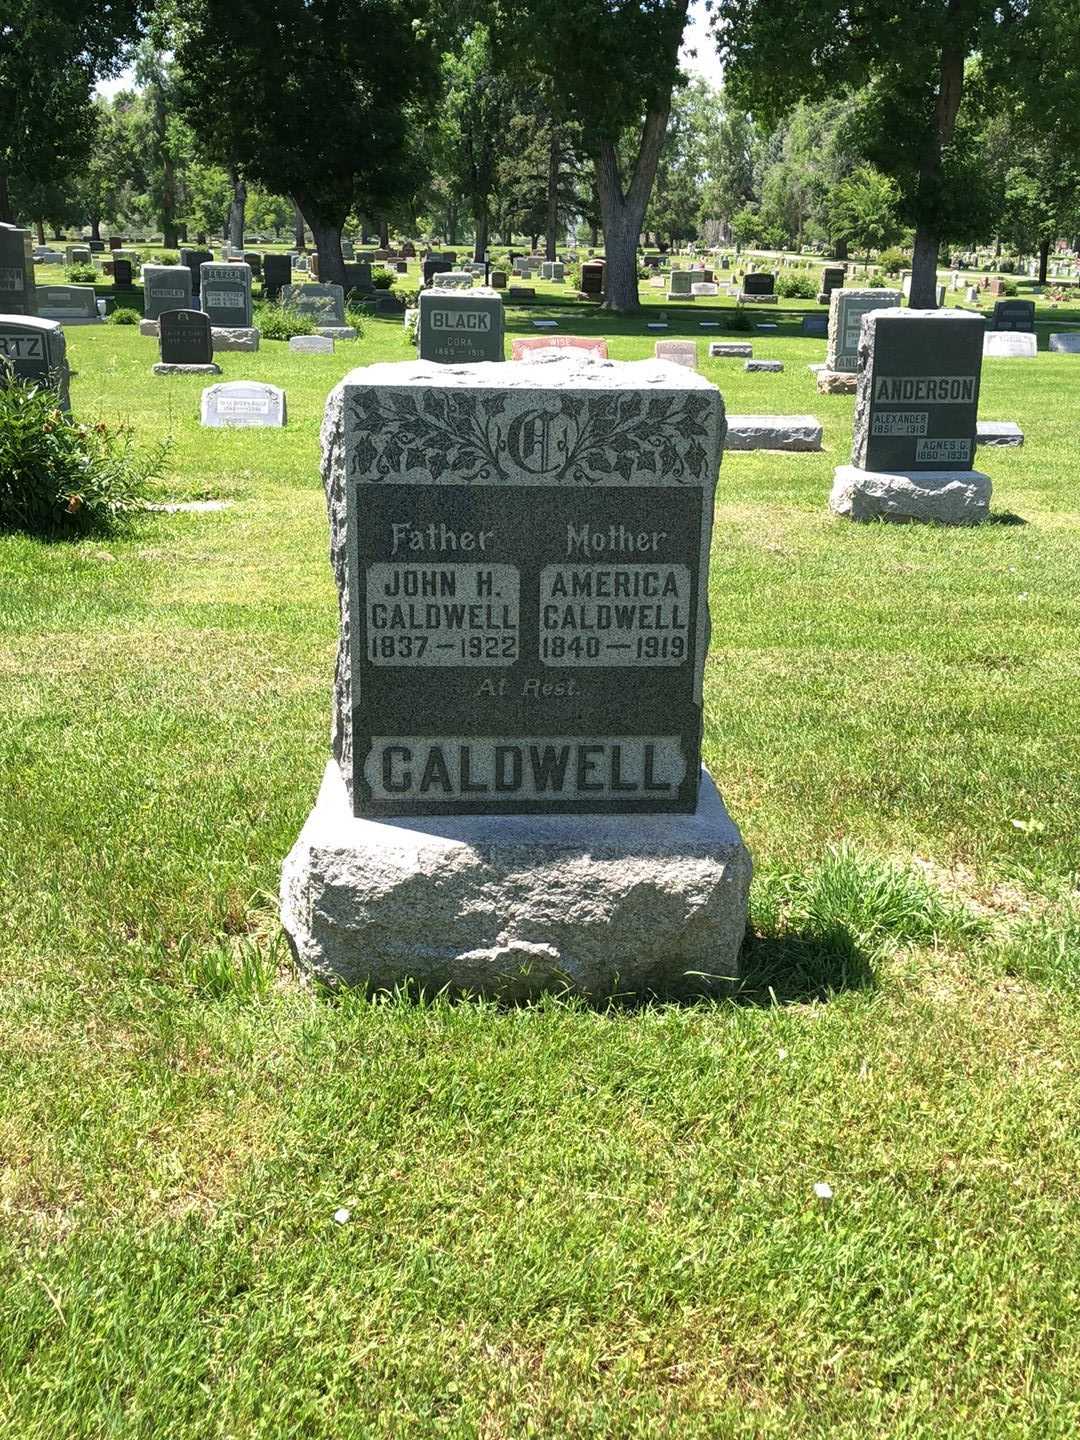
(58, 474)
(281, 322)
(893, 261)
(163, 257)
(1011, 287)
(382, 278)
(81, 274)
(124, 316)
(355, 317)
(796, 285)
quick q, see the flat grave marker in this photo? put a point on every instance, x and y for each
(243, 404)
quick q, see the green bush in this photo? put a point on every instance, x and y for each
(281, 322)
(893, 261)
(124, 316)
(355, 317)
(163, 257)
(81, 274)
(59, 475)
(796, 285)
(382, 278)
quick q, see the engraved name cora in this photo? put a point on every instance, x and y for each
(481, 768)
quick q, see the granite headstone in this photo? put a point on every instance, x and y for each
(460, 327)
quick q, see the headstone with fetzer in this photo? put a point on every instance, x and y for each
(225, 292)
(916, 421)
(186, 344)
(846, 309)
(32, 348)
(460, 327)
(516, 801)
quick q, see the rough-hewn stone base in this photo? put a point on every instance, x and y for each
(998, 432)
(837, 382)
(730, 350)
(943, 497)
(745, 299)
(336, 332)
(765, 366)
(235, 337)
(773, 432)
(150, 328)
(512, 906)
(162, 369)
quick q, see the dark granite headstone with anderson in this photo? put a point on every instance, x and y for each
(17, 291)
(185, 338)
(225, 292)
(459, 327)
(528, 553)
(34, 349)
(918, 396)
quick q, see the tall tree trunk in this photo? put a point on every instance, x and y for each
(327, 234)
(298, 228)
(927, 239)
(237, 209)
(594, 235)
(41, 232)
(7, 216)
(451, 223)
(840, 249)
(95, 229)
(623, 211)
(552, 231)
(1044, 260)
(482, 222)
(384, 235)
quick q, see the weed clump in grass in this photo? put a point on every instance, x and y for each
(61, 475)
(282, 322)
(124, 316)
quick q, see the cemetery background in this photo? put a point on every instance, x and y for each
(630, 1230)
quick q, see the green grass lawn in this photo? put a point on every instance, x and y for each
(561, 1222)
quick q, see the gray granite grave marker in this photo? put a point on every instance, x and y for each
(1065, 343)
(846, 309)
(247, 404)
(34, 349)
(458, 327)
(17, 290)
(70, 304)
(165, 287)
(225, 292)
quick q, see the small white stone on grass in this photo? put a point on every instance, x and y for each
(823, 1190)
(340, 1216)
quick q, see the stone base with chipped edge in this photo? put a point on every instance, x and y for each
(837, 382)
(772, 367)
(235, 337)
(513, 906)
(150, 328)
(773, 432)
(999, 432)
(941, 497)
(745, 299)
(336, 332)
(166, 369)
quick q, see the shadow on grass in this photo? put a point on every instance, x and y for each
(1004, 517)
(793, 967)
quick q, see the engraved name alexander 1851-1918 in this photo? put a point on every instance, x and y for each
(529, 605)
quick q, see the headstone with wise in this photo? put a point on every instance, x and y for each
(832, 278)
(246, 404)
(70, 304)
(516, 800)
(1014, 315)
(527, 347)
(846, 309)
(277, 273)
(460, 327)
(916, 420)
(758, 288)
(194, 259)
(165, 287)
(17, 290)
(186, 344)
(35, 349)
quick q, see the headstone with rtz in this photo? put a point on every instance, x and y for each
(459, 327)
(17, 291)
(186, 344)
(516, 800)
(35, 349)
(165, 287)
(916, 420)
(846, 309)
(246, 404)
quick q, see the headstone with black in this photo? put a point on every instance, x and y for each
(165, 287)
(460, 327)
(516, 800)
(916, 420)
(186, 344)
(32, 348)
(846, 309)
(17, 290)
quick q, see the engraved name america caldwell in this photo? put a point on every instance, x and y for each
(523, 561)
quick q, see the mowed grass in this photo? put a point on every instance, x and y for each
(561, 1222)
